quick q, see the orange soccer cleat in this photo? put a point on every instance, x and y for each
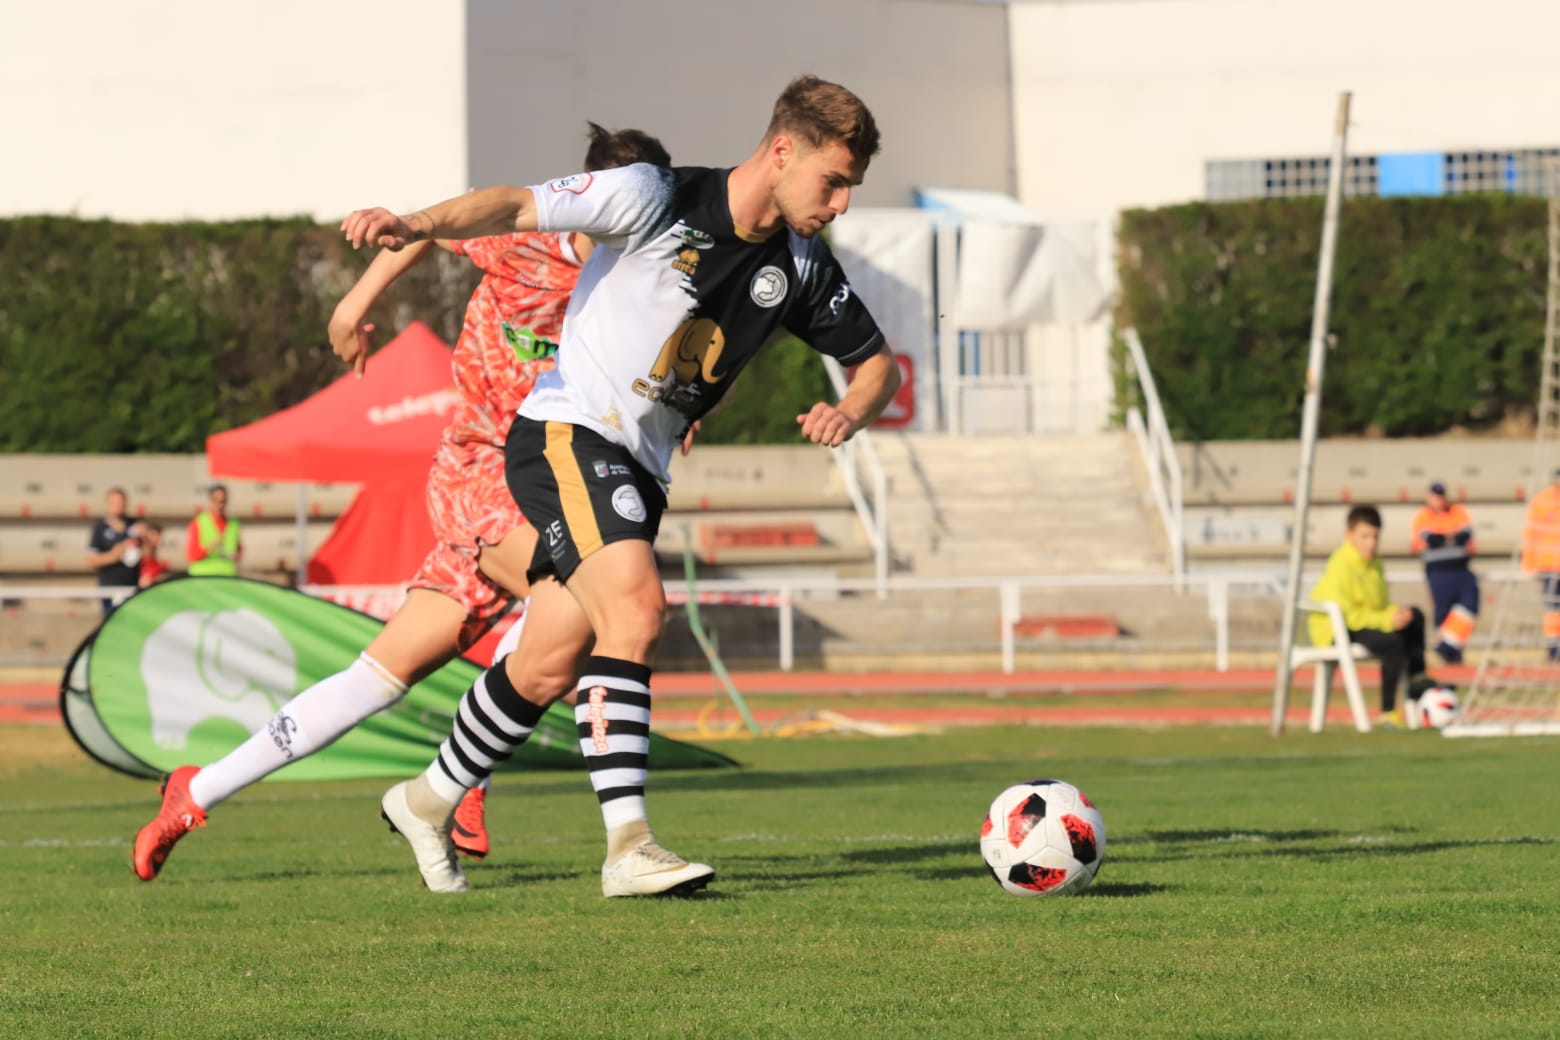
(469, 830)
(178, 817)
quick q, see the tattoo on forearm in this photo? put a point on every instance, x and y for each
(419, 232)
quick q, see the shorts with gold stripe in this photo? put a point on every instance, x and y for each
(580, 491)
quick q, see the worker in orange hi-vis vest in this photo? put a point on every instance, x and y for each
(1541, 556)
(1443, 538)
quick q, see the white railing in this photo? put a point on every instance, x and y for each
(1214, 589)
(852, 456)
(1158, 447)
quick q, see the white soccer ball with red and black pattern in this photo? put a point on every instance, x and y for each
(1043, 838)
(1437, 708)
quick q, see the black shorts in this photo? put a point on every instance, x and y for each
(580, 491)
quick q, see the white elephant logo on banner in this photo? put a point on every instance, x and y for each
(199, 665)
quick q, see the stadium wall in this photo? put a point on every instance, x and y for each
(183, 110)
(1120, 104)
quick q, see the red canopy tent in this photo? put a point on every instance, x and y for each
(382, 431)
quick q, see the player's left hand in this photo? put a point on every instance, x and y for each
(377, 227)
(687, 441)
(825, 424)
(351, 342)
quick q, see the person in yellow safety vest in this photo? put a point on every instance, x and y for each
(1541, 556)
(1395, 635)
(211, 544)
(1443, 539)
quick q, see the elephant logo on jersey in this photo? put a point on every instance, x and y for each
(769, 286)
(690, 353)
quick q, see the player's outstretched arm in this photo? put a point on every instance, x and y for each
(487, 211)
(350, 338)
(872, 386)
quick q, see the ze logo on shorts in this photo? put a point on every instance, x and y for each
(577, 183)
(627, 504)
(555, 534)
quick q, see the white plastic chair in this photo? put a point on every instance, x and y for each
(1339, 656)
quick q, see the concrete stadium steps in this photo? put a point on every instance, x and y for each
(985, 506)
(1239, 494)
(73, 486)
(31, 547)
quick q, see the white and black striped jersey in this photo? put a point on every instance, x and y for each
(675, 301)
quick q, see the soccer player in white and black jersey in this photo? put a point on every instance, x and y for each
(694, 270)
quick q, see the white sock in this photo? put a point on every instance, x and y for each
(442, 787)
(310, 721)
(511, 639)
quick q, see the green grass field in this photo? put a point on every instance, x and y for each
(1395, 885)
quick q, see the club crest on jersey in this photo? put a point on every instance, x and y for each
(769, 286)
(576, 183)
(627, 504)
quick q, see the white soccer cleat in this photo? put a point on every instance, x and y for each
(650, 870)
(433, 847)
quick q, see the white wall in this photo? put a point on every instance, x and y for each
(702, 75)
(1118, 103)
(179, 108)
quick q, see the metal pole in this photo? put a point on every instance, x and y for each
(302, 531)
(1311, 412)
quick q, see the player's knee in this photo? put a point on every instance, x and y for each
(543, 678)
(642, 619)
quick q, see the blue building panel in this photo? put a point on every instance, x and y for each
(1411, 173)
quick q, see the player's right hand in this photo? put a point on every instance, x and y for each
(351, 342)
(376, 227)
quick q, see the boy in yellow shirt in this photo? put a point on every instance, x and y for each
(1394, 635)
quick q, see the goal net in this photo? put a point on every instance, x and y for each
(1516, 689)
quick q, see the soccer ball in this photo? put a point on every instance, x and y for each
(1437, 708)
(1043, 838)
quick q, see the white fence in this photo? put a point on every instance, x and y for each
(1214, 590)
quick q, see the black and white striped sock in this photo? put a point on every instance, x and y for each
(493, 720)
(613, 719)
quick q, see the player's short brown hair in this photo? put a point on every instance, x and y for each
(1368, 515)
(818, 111)
(610, 149)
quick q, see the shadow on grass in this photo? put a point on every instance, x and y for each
(1123, 890)
(908, 853)
(732, 780)
(1233, 836)
(1254, 845)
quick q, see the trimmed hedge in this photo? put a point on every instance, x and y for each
(122, 338)
(1437, 313)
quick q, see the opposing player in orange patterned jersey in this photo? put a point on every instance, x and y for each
(477, 569)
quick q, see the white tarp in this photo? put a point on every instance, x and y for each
(1021, 301)
(887, 254)
(1012, 275)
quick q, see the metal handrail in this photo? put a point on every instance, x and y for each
(849, 456)
(1158, 447)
